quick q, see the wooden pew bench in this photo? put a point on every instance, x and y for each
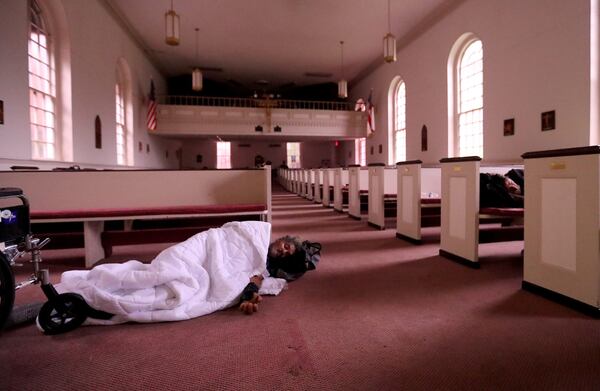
(358, 191)
(340, 182)
(96, 197)
(562, 245)
(418, 199)
(461, 229)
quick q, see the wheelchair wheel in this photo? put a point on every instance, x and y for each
(64, 313)
(7, 289)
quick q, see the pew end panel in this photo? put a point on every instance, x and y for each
(358, 186)
(340, 178)
(408, 208)
(327, 184)
(562, 221)
(354, 191)
(318, 175)
(460, 210)
(377, 181)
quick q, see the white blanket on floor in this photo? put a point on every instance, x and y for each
(203, 274)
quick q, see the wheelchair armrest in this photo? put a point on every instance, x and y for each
(10, 192)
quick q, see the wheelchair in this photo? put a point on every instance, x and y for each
(62, 312)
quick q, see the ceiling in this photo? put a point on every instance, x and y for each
(270, 43)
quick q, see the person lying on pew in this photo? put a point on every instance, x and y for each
(213, 270)
(288, 258)
(501, 191)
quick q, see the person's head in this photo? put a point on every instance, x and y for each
(284, 246)
(511, 186)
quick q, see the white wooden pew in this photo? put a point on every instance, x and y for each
(562, 244)
(327, 186)
(303, 182)
(93, 197)
(358, 183)
(340, 183)
(419, 190)
(382, 185)
(460, 220)
(294, 179)
(310, 184)
(317, 174)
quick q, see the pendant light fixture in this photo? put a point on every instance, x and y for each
(172, 27)
(196, 73)
(342, 84)
(389, 42)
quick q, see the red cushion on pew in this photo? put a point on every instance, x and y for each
(172, 210)
(430, 201)
(519, 212)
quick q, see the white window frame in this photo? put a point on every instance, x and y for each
(360, 151)
(465, 113)
(293, 155)
(45, 140)
(223, 154)
(124, 143)
(399, 110)
(120, 131)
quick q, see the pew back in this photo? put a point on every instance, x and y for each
(562, 245)
(358, 180)
(340, 181)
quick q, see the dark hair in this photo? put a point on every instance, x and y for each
(287, 239)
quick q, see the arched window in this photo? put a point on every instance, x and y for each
(120, 120)
(123, 115)
(45, 140)
(360, 151)
(399, 110)
(49, 68)
(467, 97)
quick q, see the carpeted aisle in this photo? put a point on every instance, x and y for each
(377, 314)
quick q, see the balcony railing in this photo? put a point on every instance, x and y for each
(253, 102)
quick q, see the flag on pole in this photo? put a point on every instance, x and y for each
(151, 116)
(371, 113)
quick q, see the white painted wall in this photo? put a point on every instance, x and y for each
(97, 43)
(536, 59)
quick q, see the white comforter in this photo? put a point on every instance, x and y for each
(204, 274)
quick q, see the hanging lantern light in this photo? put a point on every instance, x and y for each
(197, 79)
(389, 42)
(342, 84)
(196, 72)
(171, 27)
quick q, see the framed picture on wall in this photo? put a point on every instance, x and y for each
(1, 112)
(548, 120)
(98, 132)
(509, 127)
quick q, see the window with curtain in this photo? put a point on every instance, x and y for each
(120, 131)
(470, 100)
(223, 154)
(293, 155)
(400, 122)
(360, 151)
(42, 88)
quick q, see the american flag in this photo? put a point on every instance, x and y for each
(371, 113)
(151, 117)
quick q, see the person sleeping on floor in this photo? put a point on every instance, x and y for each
(212, 270)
